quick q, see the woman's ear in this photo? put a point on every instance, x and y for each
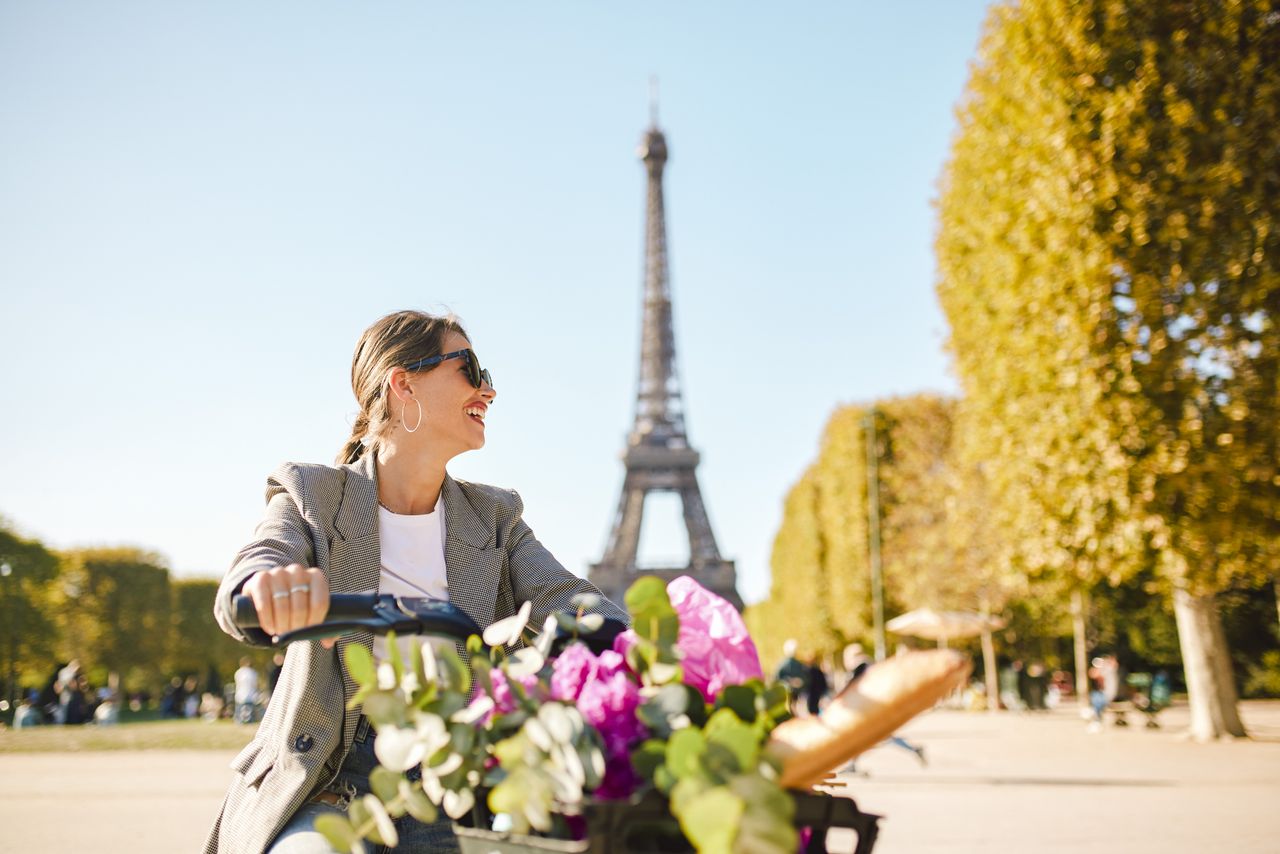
(398, 384)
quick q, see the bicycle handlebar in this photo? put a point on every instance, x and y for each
(382, 612)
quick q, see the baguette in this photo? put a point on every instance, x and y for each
(865, 713)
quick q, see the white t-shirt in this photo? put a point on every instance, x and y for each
(412, 560)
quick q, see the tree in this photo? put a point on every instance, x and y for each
(116, 613)
(1108, 262)
(197, 645)
(26, 568)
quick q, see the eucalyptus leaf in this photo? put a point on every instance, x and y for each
(360, 665)
(386, 828)
(384, 708)
(646, 758)
(525, 662)
(740, 698)
(385, 783)
(684, 752)
(586, 601)
(453, 672)
(459, 803)
(711, 820)
(393, 656)
(338, 830)
(559, 724)
(590, 622)
(416, 803)
(506, 632)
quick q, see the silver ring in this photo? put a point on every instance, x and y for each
(300, 588)
(280, 594)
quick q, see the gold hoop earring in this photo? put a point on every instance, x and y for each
(416, 424)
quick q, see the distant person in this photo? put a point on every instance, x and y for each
(28, 713)
(190, 697)
(792, 672)
(1104, 677)
(246, 691)
(855, 660)
(815, 688)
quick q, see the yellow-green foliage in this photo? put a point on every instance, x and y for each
(821, 590)
(1107, 257)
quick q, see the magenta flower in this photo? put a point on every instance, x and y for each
(717, 649)
(504, 699)
(574, 667)
(609, 704)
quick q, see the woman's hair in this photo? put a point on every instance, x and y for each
(392, 341)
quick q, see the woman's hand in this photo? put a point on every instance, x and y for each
(289, 598)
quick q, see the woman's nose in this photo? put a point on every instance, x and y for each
(488, 392)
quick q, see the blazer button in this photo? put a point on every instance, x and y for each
(303, 743)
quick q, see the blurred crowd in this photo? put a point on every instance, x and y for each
(69, 699)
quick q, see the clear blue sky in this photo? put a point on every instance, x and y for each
(202, 205)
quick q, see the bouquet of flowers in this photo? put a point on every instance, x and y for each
(678, 706)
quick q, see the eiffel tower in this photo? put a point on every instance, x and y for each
(658, 457)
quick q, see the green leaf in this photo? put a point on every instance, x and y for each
(393, 656)
(710, 820)
(416, 803)
(684, 752)
(453, 671)
(646, 758)
(740, 698)
(741, 739)
(384, 828)
(338, 831)
(384, 708)
(360, 665)
(384, 783)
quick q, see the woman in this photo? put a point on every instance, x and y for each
(388, 518)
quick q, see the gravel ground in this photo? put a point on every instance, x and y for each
(993, 783)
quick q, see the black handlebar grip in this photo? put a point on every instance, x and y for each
(342, 606)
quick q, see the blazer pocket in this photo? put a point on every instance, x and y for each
(254, 763)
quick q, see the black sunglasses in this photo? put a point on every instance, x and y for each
(477, 375)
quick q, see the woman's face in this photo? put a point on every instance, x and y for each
(453, 410)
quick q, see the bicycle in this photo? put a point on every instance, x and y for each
(640, 824)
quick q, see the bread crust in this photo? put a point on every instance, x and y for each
(866, 712)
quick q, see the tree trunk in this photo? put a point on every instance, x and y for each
(1081, 648)
(1277, 585)
(989, 671)
(1211, 689)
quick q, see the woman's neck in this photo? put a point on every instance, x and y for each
(408, 484)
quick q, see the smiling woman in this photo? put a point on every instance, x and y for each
(388, 518)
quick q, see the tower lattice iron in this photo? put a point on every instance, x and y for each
(658, 458)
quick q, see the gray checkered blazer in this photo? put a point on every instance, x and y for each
(328, 518)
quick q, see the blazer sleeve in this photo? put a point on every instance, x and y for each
(538, 578)
(281, 538)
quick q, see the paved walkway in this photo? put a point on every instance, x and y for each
(994, 783)
(1041, 782)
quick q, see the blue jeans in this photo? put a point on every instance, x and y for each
(299, 836)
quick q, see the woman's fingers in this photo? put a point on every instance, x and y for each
(289, 598)
(318, 593)
(258, 588)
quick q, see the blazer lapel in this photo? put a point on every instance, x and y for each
(472, 565)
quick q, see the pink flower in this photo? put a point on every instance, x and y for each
(620, 779)
(609, 704)
(504, 698)
(572, 669)
(717, 648)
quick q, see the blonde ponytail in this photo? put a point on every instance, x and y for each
(394, 340)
